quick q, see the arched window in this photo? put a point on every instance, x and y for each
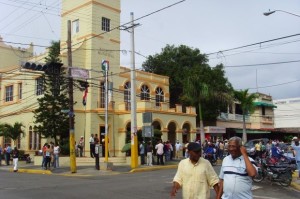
(159, 96)
(30, 138)
(102, 95)
(145, 93)
(127, 95)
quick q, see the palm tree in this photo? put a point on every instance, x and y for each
(196, 92)
(12, 131)
(246, 99)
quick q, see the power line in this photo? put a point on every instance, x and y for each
(258, 43)
(276, 84)
(262, 64)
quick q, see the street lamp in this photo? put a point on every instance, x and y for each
(271, 12)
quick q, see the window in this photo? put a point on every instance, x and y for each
(75, 26)
(9, 91)
(30, 138)
(102, 95)
(145, 93)
(159, 96)
(34, 139)
(263, 110)
(127, 96)
(105, 24)
(7, 141)
(39, 85)
(20, 90)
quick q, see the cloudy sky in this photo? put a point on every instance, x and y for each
(212, 26)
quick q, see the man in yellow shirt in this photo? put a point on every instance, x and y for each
(195, 175)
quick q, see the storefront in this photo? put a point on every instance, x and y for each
(214, 132)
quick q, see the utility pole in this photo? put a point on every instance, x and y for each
(134, 144)
(106, 111)
(71, 102)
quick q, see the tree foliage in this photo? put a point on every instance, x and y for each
(50, 120)
(182, 62)
(14, 131)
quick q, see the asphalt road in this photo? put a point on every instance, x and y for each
(148, 185)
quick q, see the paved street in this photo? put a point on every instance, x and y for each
(152, 184)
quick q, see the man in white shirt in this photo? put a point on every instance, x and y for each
(236, 172)
(178, 148)
(92, 146)
(56, 151)
(160, 153)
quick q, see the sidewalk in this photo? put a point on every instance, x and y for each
(87, 170)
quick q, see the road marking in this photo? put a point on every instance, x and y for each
(255, 187)
(264, 197)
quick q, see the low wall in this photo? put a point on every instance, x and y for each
(63, 160)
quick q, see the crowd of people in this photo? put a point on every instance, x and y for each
(50, 153)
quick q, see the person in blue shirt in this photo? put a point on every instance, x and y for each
(7, 154)
(296, 148)
(210, 150)
(276, 152)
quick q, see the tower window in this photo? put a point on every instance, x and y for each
(105, 24)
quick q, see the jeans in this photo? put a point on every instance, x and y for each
(56, 161)
(160, 158)
(298, 167)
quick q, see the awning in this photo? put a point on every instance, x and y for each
(248, 131)
(264, 104)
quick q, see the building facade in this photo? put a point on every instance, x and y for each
(95, 37)
(259, 124)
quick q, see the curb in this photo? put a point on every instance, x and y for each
(33, 171)
(294, 184)
(153, 168)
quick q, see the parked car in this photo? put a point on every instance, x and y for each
(250, 145)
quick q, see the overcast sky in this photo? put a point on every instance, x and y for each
(211, 26)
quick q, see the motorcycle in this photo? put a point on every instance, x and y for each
(210, 158)
(274, 173)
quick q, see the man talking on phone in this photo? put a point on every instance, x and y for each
(236, 172)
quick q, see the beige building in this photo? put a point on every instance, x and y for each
(95, 37)
(258, 123)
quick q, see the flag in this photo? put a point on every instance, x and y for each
(84, 96)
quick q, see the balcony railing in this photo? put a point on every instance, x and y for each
(233, 117)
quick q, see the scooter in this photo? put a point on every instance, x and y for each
(274, 173)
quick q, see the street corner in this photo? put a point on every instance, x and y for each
(153, 168)
(32, 171)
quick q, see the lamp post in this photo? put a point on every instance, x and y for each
(271, 12)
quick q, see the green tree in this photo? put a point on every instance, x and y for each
(246, 99)
(51, 121)
(12, 131)
(197, 93)
(180, 63)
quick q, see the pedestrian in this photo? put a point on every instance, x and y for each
(236, 172)
(221, 150)
(195, 175)
(56, 151)
(142, 152)
(7, 154)
(48, 153)
(178, 148)
(81, 146)
(1, 151)
(43, 154)
(15, 154)
(149, 149)
(296, 148)
(96, 154)
(92, 146)
(160, 152)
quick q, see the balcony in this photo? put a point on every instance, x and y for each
(233, 117)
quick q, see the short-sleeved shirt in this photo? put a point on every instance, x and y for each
(237, 183)
(197, 179)
(297, 149)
